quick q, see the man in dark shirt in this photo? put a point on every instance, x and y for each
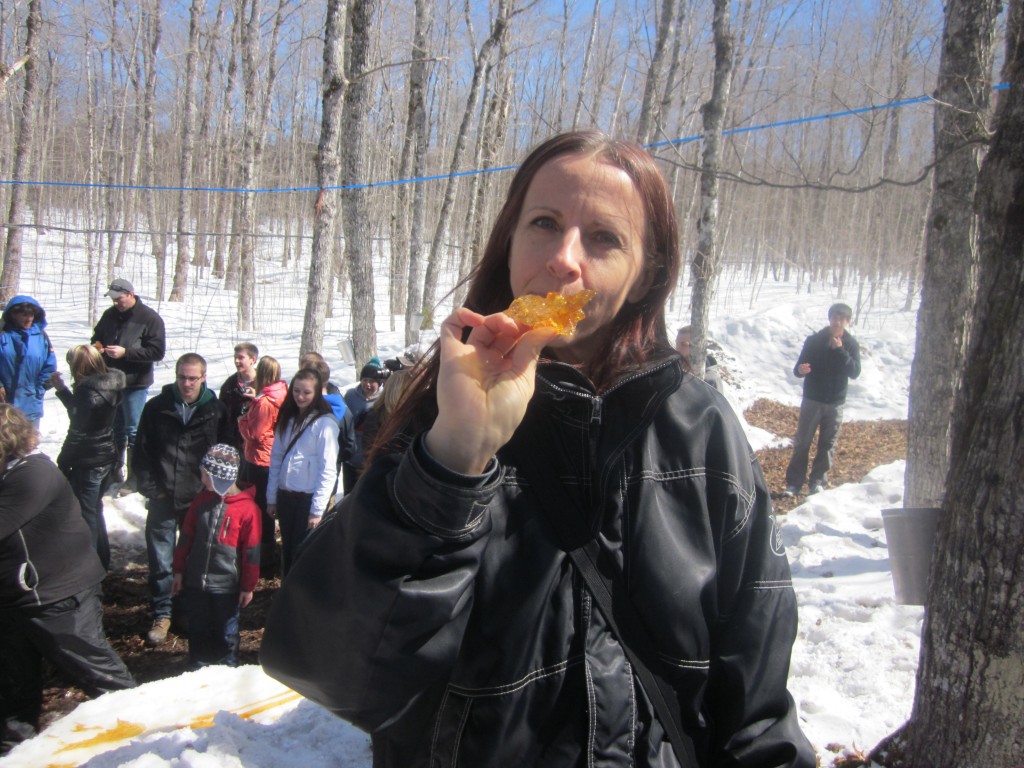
(131, 337)
(238, 390)
(177, 428)
(828, 360)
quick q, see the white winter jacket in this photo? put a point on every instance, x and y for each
(311, 465)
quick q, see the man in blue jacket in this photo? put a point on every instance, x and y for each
(26, 357)
(828, 360)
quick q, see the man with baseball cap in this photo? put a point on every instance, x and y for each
(131, 337)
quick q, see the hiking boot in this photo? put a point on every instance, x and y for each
(157, 634)
(791, 491)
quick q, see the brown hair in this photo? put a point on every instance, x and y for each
(290, 409)
(190, 358)
(18, 438)
(249, 348)
(316, 362)
(268, 370)
(637, 332)
(85, 360)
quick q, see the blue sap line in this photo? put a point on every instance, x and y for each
(475, 171)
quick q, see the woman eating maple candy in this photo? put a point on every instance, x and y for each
(575, 561)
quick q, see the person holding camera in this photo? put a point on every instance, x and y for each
(238, 390)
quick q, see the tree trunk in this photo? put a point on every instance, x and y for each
(950, 268)
(706, 260)
(356, 200)
(970, 683)
(650, 117)
(11, 274)
(499, 29)
(179, 282)
(156, 228)
(328, 170)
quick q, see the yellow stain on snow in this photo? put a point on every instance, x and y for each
(125, 730)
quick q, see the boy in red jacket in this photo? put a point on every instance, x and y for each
(217, 559)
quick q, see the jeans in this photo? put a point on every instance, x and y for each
(293, 517)
(212, 627)
(824, 419)
(162, 523)
(128, 413)
(88, 485)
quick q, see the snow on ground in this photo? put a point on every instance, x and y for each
(856, 651)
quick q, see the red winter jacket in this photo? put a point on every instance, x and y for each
(257, 424)
(219, 547)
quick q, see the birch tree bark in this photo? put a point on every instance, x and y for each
(356, 199)
(706, 260)
(970, 682)
(950, 264)
(11, 274)
(328, 170)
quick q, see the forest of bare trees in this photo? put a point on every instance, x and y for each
(197, 127)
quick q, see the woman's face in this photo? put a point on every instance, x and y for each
(303, 391)
(581, 226)
(23, 315)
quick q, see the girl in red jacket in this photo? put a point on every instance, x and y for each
(256, 426)
(217, 560)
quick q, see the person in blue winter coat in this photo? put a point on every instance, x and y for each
(26, 357)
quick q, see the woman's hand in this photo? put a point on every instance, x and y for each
(314, 521)
(56, 381)
(177, 583)
(483, 387)
(244, 598)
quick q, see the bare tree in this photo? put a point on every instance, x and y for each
(706, 261)
(970, 683)
(499, 28)
(328, 170)
(11, 274)
(355, 195)
(950, 253)
(183, 257)
(649, 113)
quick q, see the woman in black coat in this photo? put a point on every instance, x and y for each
(87, 456)
(49, 586)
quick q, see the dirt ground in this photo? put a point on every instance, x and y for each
(862, 447)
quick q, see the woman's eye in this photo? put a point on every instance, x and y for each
(607, 238)
(544, 222)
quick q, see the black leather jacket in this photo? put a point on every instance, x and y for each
(91, 407)
(452, 626)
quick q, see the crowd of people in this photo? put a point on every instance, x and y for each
(522, 548)
(219, 469)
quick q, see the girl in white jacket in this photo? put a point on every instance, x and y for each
(303, 463)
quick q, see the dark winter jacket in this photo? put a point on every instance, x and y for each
(236, 404)
(140, 330)
(831, 369)
(46, 551)
(347, 445)
(92, 407)
(453, 627)
(359, 405)
(168, 449)
(26, 360)
(218, 550)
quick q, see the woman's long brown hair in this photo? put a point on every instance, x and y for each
(638, 330)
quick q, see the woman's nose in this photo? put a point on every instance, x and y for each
(564, 262)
